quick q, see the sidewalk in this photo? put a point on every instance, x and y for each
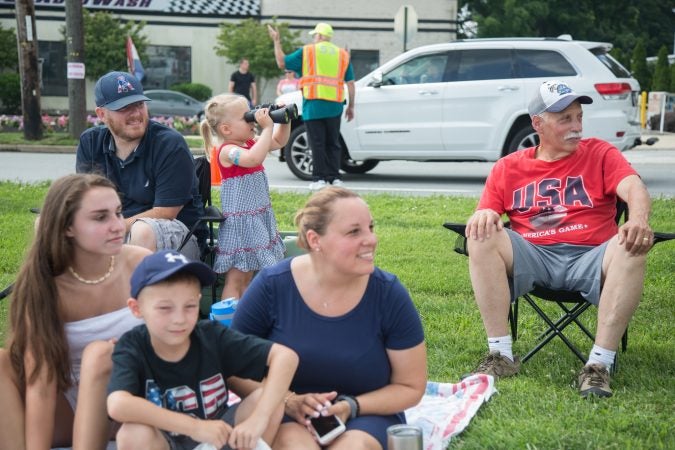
(666, 141)
(29, 148)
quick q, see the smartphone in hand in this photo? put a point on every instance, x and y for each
(327, 428)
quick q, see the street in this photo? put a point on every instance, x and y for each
(655, 165)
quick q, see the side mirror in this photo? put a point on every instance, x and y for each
(377, 79)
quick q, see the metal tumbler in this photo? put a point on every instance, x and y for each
(404, 437)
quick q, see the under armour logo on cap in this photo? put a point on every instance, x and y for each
(163, 264)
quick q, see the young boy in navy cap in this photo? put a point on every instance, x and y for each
(169, 387)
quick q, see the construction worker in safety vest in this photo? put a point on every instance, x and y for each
(325, 70)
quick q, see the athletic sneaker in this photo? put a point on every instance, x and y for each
(594, 379)
(317, 185)
(498, 366)
(338, 182)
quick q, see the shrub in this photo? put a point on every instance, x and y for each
(199, 91)
(10, 93)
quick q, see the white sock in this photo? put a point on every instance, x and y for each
(501, 344)
(602, 356)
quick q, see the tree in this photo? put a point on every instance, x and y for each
(10, 82)
(9, 57)
(105, 43)
(638, 64)
(249, 39)
(672, 78)
(661, 81)
(620, 22)
(26, 37)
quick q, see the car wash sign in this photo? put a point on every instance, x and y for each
(123, 5)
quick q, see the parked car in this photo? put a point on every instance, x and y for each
(173, 103)
(467, 101)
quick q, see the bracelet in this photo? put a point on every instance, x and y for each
(354, 406)
(288, 397)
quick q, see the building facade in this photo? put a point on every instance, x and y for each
(182, 35)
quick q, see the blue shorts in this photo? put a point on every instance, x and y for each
(559, 266)
(376, 426)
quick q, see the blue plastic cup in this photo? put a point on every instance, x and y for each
(223, 311)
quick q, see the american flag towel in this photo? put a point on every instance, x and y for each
(446, 408)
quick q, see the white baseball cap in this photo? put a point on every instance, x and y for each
(554, 96)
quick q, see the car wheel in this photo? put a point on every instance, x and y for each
(348, 165)
(524, 138)
(298, 153)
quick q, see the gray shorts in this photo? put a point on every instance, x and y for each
(169, 234)
(560, 266)
(183, 442)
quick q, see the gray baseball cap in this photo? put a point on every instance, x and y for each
(554, 96)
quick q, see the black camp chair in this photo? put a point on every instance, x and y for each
(571, 303)
(211, 219)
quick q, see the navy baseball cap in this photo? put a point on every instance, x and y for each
(161, 265)
(115, 90)
(554, 96)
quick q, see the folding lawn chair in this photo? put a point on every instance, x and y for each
(571, 303)
(211, 217)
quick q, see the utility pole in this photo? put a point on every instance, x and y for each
(28, 69)
(77, 99)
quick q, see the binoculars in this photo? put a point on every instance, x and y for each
(278, 113)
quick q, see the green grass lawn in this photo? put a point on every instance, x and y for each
(62, 138)
(539, 409)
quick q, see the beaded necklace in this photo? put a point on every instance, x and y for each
(98, 280)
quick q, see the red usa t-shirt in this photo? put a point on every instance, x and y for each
(572, 200)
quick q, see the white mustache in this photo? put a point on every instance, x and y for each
(573, 135)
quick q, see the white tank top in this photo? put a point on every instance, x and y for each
(99, 328)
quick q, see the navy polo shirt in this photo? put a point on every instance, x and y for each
(159, 173)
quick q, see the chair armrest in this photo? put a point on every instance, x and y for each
(663, 237)
(460, 242)
(212, 214)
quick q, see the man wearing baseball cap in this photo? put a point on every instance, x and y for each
(150, 163)
(325, 69)
(560, 198)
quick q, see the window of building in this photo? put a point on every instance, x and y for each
(166, 65)
(52, 57)
(364, 61)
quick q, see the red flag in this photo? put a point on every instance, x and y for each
(134, 61)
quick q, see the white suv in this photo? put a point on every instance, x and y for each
(467, 101)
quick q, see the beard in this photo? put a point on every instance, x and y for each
(128, 127)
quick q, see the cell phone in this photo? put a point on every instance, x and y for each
(327, 428)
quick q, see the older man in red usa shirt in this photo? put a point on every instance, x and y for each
(560, 197)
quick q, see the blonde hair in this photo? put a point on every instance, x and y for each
(318, 212)
(218, 110)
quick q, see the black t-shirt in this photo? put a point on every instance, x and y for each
(197, 384)
(242, 83)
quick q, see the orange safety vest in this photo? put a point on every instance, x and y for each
(324, 65)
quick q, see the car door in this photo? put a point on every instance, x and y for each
(179, 104)
(402, 114)
(481, 101)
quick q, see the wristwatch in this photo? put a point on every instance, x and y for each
(353, 404)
